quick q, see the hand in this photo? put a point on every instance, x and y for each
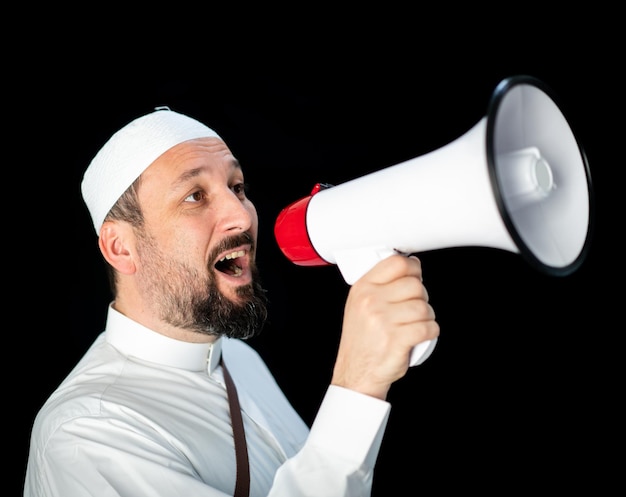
(386, 314)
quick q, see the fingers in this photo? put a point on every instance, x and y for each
(401, 297)
(394, 267)
(411, 311)
(406, 288)
(402, 278)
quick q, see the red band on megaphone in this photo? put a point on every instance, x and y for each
(292, 235)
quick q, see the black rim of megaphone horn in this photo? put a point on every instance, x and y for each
(497, 97)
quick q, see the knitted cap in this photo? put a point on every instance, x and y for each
(129, 152)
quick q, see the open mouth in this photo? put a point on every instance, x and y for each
(230, 264)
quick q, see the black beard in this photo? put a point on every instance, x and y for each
(216, 315)
(186, 303)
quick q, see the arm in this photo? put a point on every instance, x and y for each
(386, 315)
(339, 455)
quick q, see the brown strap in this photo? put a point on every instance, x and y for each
(242, 487)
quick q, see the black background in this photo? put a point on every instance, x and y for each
(516, 394)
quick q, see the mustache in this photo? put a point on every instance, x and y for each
(233, 242)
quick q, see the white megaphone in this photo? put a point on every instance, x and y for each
(518, 181)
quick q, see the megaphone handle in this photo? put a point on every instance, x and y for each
(355, 263)
(421, 352)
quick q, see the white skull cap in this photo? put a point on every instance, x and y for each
(129, 152)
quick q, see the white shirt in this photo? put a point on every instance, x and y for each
(146, 415)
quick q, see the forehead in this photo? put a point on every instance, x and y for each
(193, 157)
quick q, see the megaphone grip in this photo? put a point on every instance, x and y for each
(421, 352)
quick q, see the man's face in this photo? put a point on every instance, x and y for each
(196, 263)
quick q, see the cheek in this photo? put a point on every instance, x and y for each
(185, 245)
(193, 245)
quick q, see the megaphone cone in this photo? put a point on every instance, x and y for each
(518, 180)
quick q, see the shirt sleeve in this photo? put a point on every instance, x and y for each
(338, 457)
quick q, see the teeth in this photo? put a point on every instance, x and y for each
(237, 271)
(233, 255)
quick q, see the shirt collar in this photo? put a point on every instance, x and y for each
(134, 339)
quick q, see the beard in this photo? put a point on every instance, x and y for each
(187, 298)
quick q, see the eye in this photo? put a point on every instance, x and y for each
(196, 196)
(240, 189)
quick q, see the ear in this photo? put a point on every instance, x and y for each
(117, 244)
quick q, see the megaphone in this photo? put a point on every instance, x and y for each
(518, 180)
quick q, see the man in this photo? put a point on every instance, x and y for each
(146, 410)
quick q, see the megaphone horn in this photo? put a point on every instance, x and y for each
(517, 180)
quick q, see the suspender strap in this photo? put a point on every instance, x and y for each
(242, 487)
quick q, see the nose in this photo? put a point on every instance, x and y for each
(235, 214)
